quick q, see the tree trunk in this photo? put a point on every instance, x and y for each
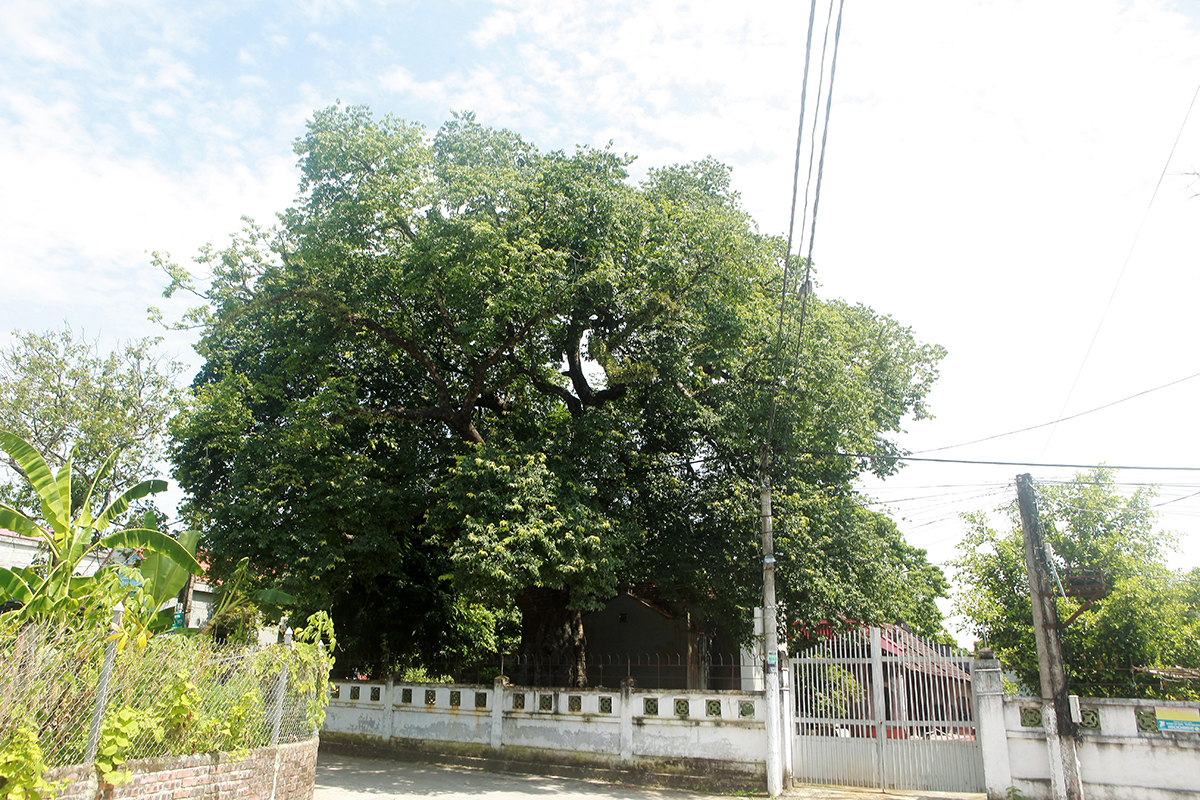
(552, 641)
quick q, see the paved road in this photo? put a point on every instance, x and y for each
(350, 778)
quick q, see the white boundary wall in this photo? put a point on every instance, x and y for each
(629, 727)
(1122, 754)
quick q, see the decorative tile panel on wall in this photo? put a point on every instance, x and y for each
(1089, 719)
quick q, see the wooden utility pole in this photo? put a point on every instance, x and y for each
(1065, 783)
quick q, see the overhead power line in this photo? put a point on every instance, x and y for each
(883, 457)
(1061, 419)
(1125, 265)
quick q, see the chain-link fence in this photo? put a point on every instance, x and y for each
(93, 696)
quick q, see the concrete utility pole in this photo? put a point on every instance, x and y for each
(771, 648)
(1065, 782)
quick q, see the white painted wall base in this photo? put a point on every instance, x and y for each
(627, 728)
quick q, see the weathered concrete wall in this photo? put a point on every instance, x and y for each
(286, 772)
(1122, 755)
(715, 731)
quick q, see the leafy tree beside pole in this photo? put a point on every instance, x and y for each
(465, 377)
(1148, 619)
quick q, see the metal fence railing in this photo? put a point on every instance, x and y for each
(92, 696)
(663, 670)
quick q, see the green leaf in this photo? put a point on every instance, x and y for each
(13, 586)
(275, 597)
(164, 620)
(85, 516)
(15, 521)
(154, 541)
(37, 471)
(164, 577)
(63, 481)
(121, 504)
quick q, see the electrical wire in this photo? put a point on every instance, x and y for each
(1043, 465)
(1125, 265)
(783, 293)
(1061, 419)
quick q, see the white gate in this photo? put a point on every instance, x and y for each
(885, 709)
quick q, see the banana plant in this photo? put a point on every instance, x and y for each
(157, 580)
(73, 534)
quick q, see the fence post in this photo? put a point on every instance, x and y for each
(990, 727)
(389, 706)
(320, 689)
(627, 685)
(498, 711)
(110, 656)
(280, 691)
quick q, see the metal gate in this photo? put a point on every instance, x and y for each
(885, 709)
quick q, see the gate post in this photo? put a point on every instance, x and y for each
(787, 674)
(879, 705)
(990, 728)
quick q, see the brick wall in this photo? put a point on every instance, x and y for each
(211, 776)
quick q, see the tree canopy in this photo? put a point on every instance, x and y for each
(464, 377)
(1150, 618)
(60, 393)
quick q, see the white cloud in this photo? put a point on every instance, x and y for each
(494, 27)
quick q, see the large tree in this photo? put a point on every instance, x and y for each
(65, 396)
(1150, 618)
(465, 375)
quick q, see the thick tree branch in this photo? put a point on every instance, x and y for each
(546, 387)
(583, 389)
(408, 346)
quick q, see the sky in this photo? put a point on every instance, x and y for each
(1009, 179)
